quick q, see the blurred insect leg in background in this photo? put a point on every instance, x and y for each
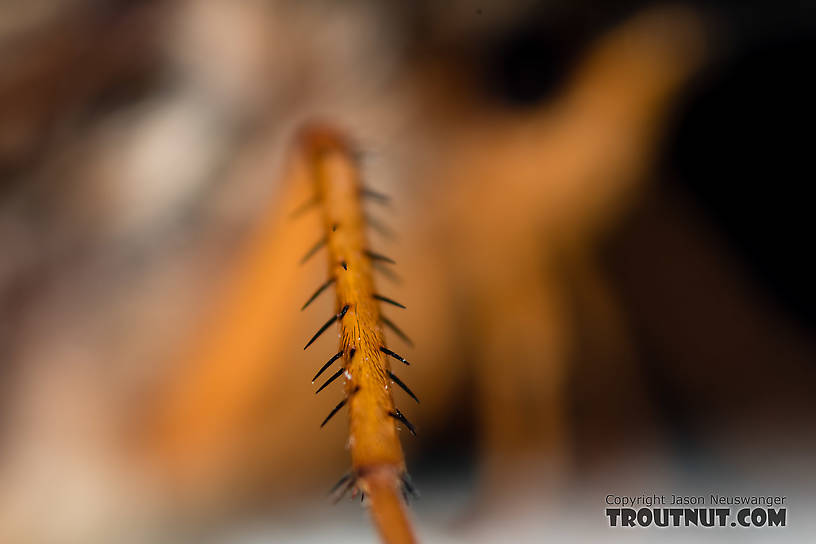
(546, 187)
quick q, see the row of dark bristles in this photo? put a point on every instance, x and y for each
(339, 489)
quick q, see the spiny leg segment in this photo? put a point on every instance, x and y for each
(378, 465)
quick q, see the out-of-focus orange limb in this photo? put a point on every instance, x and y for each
(221, 406)
(523, 200)
(381, 485)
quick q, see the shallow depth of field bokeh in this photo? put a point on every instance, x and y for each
(602, 237)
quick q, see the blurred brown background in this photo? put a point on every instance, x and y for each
(601, 228)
